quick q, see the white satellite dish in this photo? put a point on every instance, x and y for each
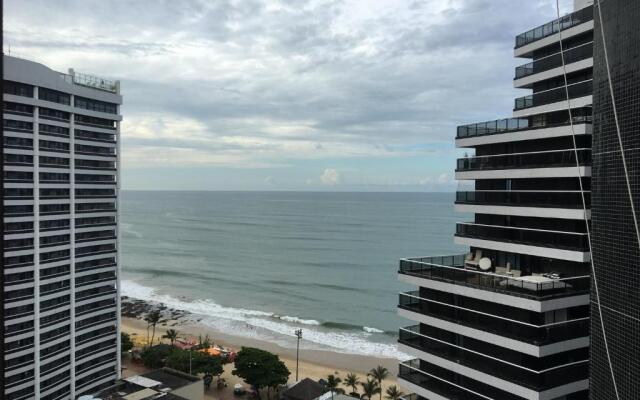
(485, 264)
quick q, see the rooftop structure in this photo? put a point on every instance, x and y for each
(165, 383)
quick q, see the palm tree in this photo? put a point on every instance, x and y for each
(379, 373)
(152, 319)
(171, 334)
(352, 381)
(332, 383)
(370, 388)
(393, 393)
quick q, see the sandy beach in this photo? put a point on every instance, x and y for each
(314, 364)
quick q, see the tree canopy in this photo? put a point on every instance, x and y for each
(200, 362)
(260, 368)
(126, 343)
(154, 357)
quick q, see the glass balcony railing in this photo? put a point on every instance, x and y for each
(448, 384)
(507, 125)
(438, 386)
(573, 241)
(537, 335)
(512, 372)
(542, 159)
(572, 55)
(576, 90)
(548, 29)
(491, 127)
(451, 269)
(525, 198)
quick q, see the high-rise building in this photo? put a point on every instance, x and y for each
(615, 312)
(509, 319)
(60, 263)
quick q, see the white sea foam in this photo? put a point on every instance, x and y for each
(268, 326)
(297, 320)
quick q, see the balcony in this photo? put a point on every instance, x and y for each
(537, 335)
(574, 241)
(572, 55)
(538, 380)
(538, 159)
(576, 90)
(550, 28)
(525, 198)
(451, 269)
(448, 384)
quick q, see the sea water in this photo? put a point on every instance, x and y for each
(263, 264)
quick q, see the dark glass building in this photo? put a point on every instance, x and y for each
(615, 244)
(509, 319)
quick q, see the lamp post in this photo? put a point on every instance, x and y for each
(190, 361)
(299, 336)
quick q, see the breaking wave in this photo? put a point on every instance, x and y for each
(269, 326)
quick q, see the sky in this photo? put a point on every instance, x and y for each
(339, 95)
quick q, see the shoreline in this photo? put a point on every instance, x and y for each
(324, 359)
(313, 363)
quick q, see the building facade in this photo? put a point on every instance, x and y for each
(509, 319)
(615, 243)
(60, 261)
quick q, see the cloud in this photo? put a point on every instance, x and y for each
(330, 177)
(276, 83)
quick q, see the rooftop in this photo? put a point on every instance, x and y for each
(152, 385)
(306, 389)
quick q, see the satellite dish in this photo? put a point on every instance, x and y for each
(485, 264)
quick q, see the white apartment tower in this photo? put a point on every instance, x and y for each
(61, 142)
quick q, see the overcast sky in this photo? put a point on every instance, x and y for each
(289, 94)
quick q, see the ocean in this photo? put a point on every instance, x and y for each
(263, 264)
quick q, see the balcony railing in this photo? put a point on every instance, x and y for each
(572, 55)
(451, 269)
(95, 82)
(538, 159)
(525, 198)
(517, 124)
(580, 89)
(439, 381)
(537, 335)
(548, 29)
(538, 380)
(574, 241)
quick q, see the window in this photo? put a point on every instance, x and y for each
(16, 142)
(18, 89)
(90, 135)
(108, 151)
(22, 176)
(54, 146)
(95, 105)
(53, 177)
(54, 96)
(17, 126)
(54, 208)
(53, 162)
(100, 122)
(48, 113)
(53, 130)
(18, 159)
(17, 108)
